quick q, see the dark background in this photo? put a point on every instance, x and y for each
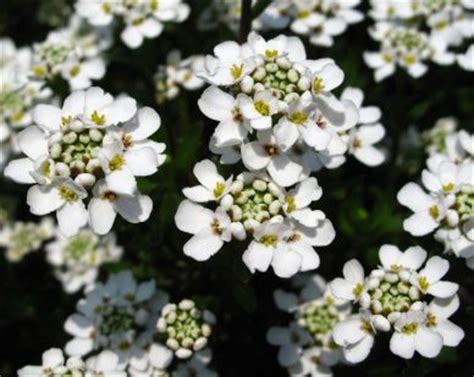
(360, 201)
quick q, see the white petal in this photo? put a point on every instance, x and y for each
(147, 123)
(101, 215)
(420, 224)
(452, 334)
(32, 142)
(342, 289)
(257, 257)
(278, 336)
(198, 194)
(389, 256)
(79, 346)
(53, 358)
(353, 271)
(134, 209)
(254, 156)
(19, 170)
(74, 104)
(142, 162)
(72, 216)
(349, 332)
(78, 325)
(412, 196)
(119, 111)
(286, 263)
(216, 104)
(288, 355)
(191, 217)
(428, 343)
(285, 301)
(369, 155)
(435, 268)
(43, 199)
(359, 351)
(203, 245)
(47, 117)
(206, 173)
(402, 345)
(284, 171)
(160, 356)
(443, 289)
(413, 258)
(121, 182)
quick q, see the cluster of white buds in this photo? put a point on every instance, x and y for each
(396, 298)
(76, 260)
(306, 345)
(142, 19)
(282, 226)
(185, 328)
(176, 74)
(94, 144)
(413, 33)
(20, 239)
(276, 110)
(448, 207)
(74, 53)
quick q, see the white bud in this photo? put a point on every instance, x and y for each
(238, 231)
(391, 277)
(452, 218)
(414, 293)
(236, 213)
(376, 306)
(258, 87)
(274, 189)
(277, 219)
(377, 294)
(168, 308)
(381, 323)
(293, 76)
(404, 275)
(271, 67)
(373, 283)
(417, 306)
(77, 126)
(70, 137)
(268, 198)
(274, 207)
(95, 135)
(246, 85)
(236, 186)
(62, 169)
(161, 325)
(77, 165)
(259, 185)
(186, 304)
(55, 150)
(85, 180)
(365, 300)
(393, 317)
(262, 216)
(93, 165)
(226, 202)
(172, 343)
(259, 74)
(206, 330)
(170, 318)
(187, 342)
(183, 353)
(199, 344)
(283, 62)
(290, 97)
(304, 83)
(251, 224)
(377, 273)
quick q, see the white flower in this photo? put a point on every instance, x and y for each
(393, 259)
(92, 136)
(356, 336)
(352, 286)
(270, 248)
(411, 334)
(20, 239)
(197, 366)
(259, 109)
(138, 27)
(428, 279)
(210, 229)
(437, 319)
(213, 186)
(76, 260)
(119, 316)
(428, 210)
(266, 153)
(310, 364)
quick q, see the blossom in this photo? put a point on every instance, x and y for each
(141, 20)
(466, 60)
(20, 239)
(176, 74)
(395, 298)
(185, 328)
(281, 222)
(316, 312)
(76, 260)
(71, 148)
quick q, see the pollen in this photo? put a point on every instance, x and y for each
(410, 328)
(448, 187)
(291, 203)
(409, 59)
(116, 163)
(431, 320)
(219, 189)
(424, 285)
(357, 291)
(434, 212)
(67, 194)
(74, 71)
(270, 54)
(299, 117)
(236, 71)
(269, 240)
(98, 119)
(318, 85)
(262, 108)
(66, 120)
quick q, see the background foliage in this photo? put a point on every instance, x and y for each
(359, 200)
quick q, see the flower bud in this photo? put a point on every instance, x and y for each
(373, 283)
(376, 306)
(95, 135)
(172, 343)
(236, 213)
(284, 62)
(251, 224)
(70, 137)
(246, 85)
(381, 323)
(226, 202)
(62, 169)
(186, 304)
(238, 231)
(183, 353)
(414, 293)
(391, 277)
(304, 83)
(200, 344)
(404, 275)
(365, 300)
(274, 189)
(85, 180)
(271, 67)
(452, 218)
(293, 76)
(77, 126)
(393, 317)
(275, 207)
(259, 185)
(290, 97)
(55, 150)
(259, 74)
(236, 186)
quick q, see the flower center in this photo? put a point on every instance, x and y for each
(410, 328)
(117, 321)
(465, 202)
(80, 246)
(319, 318)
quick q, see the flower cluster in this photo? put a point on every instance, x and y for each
(306, 346)
(395, 298)
(413, 33)
(448, 206)
(76, 260)
(54, 364)
(281, 225)
(137, 324)
(142, 19)
(318, 20)
(176, 74)
(94, 144)
(20, 239)
(18, 95)
(74, 53)
(184, 328)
